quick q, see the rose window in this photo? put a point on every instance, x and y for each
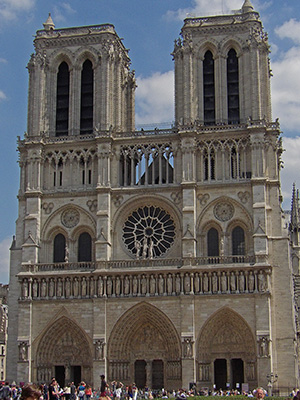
(149, 232)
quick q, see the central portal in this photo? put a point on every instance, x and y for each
(156, 370)
(140, 374)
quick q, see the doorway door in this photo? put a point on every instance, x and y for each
(220, 369)
(237, 370)
(60, 375)
(76, 374)
(157, 374)
(140, 373)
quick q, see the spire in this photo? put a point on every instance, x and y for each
(295, 207)
(49, 24)
(247, 6)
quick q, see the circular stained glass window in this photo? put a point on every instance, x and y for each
(149, 232)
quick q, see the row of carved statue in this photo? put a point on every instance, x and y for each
(155, 284)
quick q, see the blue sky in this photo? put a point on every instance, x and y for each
(149, 28)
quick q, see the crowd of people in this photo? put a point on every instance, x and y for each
(114, 391)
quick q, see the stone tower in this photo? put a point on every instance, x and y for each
(157, 257)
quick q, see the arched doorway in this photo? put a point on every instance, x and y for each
(64, 352)
(148, 352)
(226, 352)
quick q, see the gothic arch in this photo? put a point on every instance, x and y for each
(58, 57)
(151, 335)
(230, 43)
(211, 46)
(225, 332)
(62, 343)
(86, 53)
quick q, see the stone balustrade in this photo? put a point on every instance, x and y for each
(208, 281)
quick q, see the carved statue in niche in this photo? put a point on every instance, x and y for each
(134, 285)
(241, 282)
(197, 283)
(92, 287)
(145, 248)
(232, 282)
(99, 349)
(59, 288)
(23, 351)
(261, 282)
(75, 287)
(126, 286)
(83, 287)
(152, 284)
(51, 288)
(35, 288)
(188, 347)
(25, 288)
(144, 285)
(178, 283)
(68, 288)
(251, 281)
(187, 284)
(264, 346)
(118, 286)
(251, 371)
(160, 284)
(137, 245)
(205, 283)
(100, 286)
(223, 282)
(214, 282)
(43, 288)
(109, 286)
(151, 249)
(169, 284)
(204, 372)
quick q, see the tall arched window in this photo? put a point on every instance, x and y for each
(209, 165)
(84, 247)
(233, 88)
(209, 89)
(59, 248)
(238, 241)
(62, 100)
(213, 243)
(87, 98)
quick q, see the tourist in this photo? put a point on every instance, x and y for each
(30, 392)
(103, 387)
(88, 392)
(81, 390)
(259, 393)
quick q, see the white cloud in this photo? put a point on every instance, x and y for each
(155, 98)
(10, 9)
(291, 171)
(2, 95)
(61, 10)
(289, 30)
(4, 259)
(3, 60)
(286, 89)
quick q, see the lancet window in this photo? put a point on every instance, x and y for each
(209, 164)
(209, 88)
(59, 248)
(233, 88)
(62, 100)
(238, 241)
(213, 243)
(146, 165)
(87, 98)
(84, 247)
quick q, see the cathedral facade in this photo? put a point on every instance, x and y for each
(158, 257)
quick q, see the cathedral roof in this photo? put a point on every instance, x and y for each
(49, 24)
(247, 6)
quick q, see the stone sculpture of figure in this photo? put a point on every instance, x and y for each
(144, 285)
(261, 282)
(160, 284)
(169, 284)
(66, 253)
(264, 347)
(134, 285)
(197, 283)
(68, 288)
(25, 288)
(75, 287)
(83, 287)
(51, 287)
(137, 245)
(223, 282)
(35, 288)
(23, 351)
(118, 286)
(92, 287)
(152, 284)
(99, 349)
(126, 286)
(188, 349)
(178, 284)
(187, 284)
(222, 247)
(151, 249)
(232, 282)
(214, 283)
(59, 288)
(145, 248)
(241, 282)
(251, 280)
(205, 283)
(100, 287)
(44, 288)
(109, 286)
